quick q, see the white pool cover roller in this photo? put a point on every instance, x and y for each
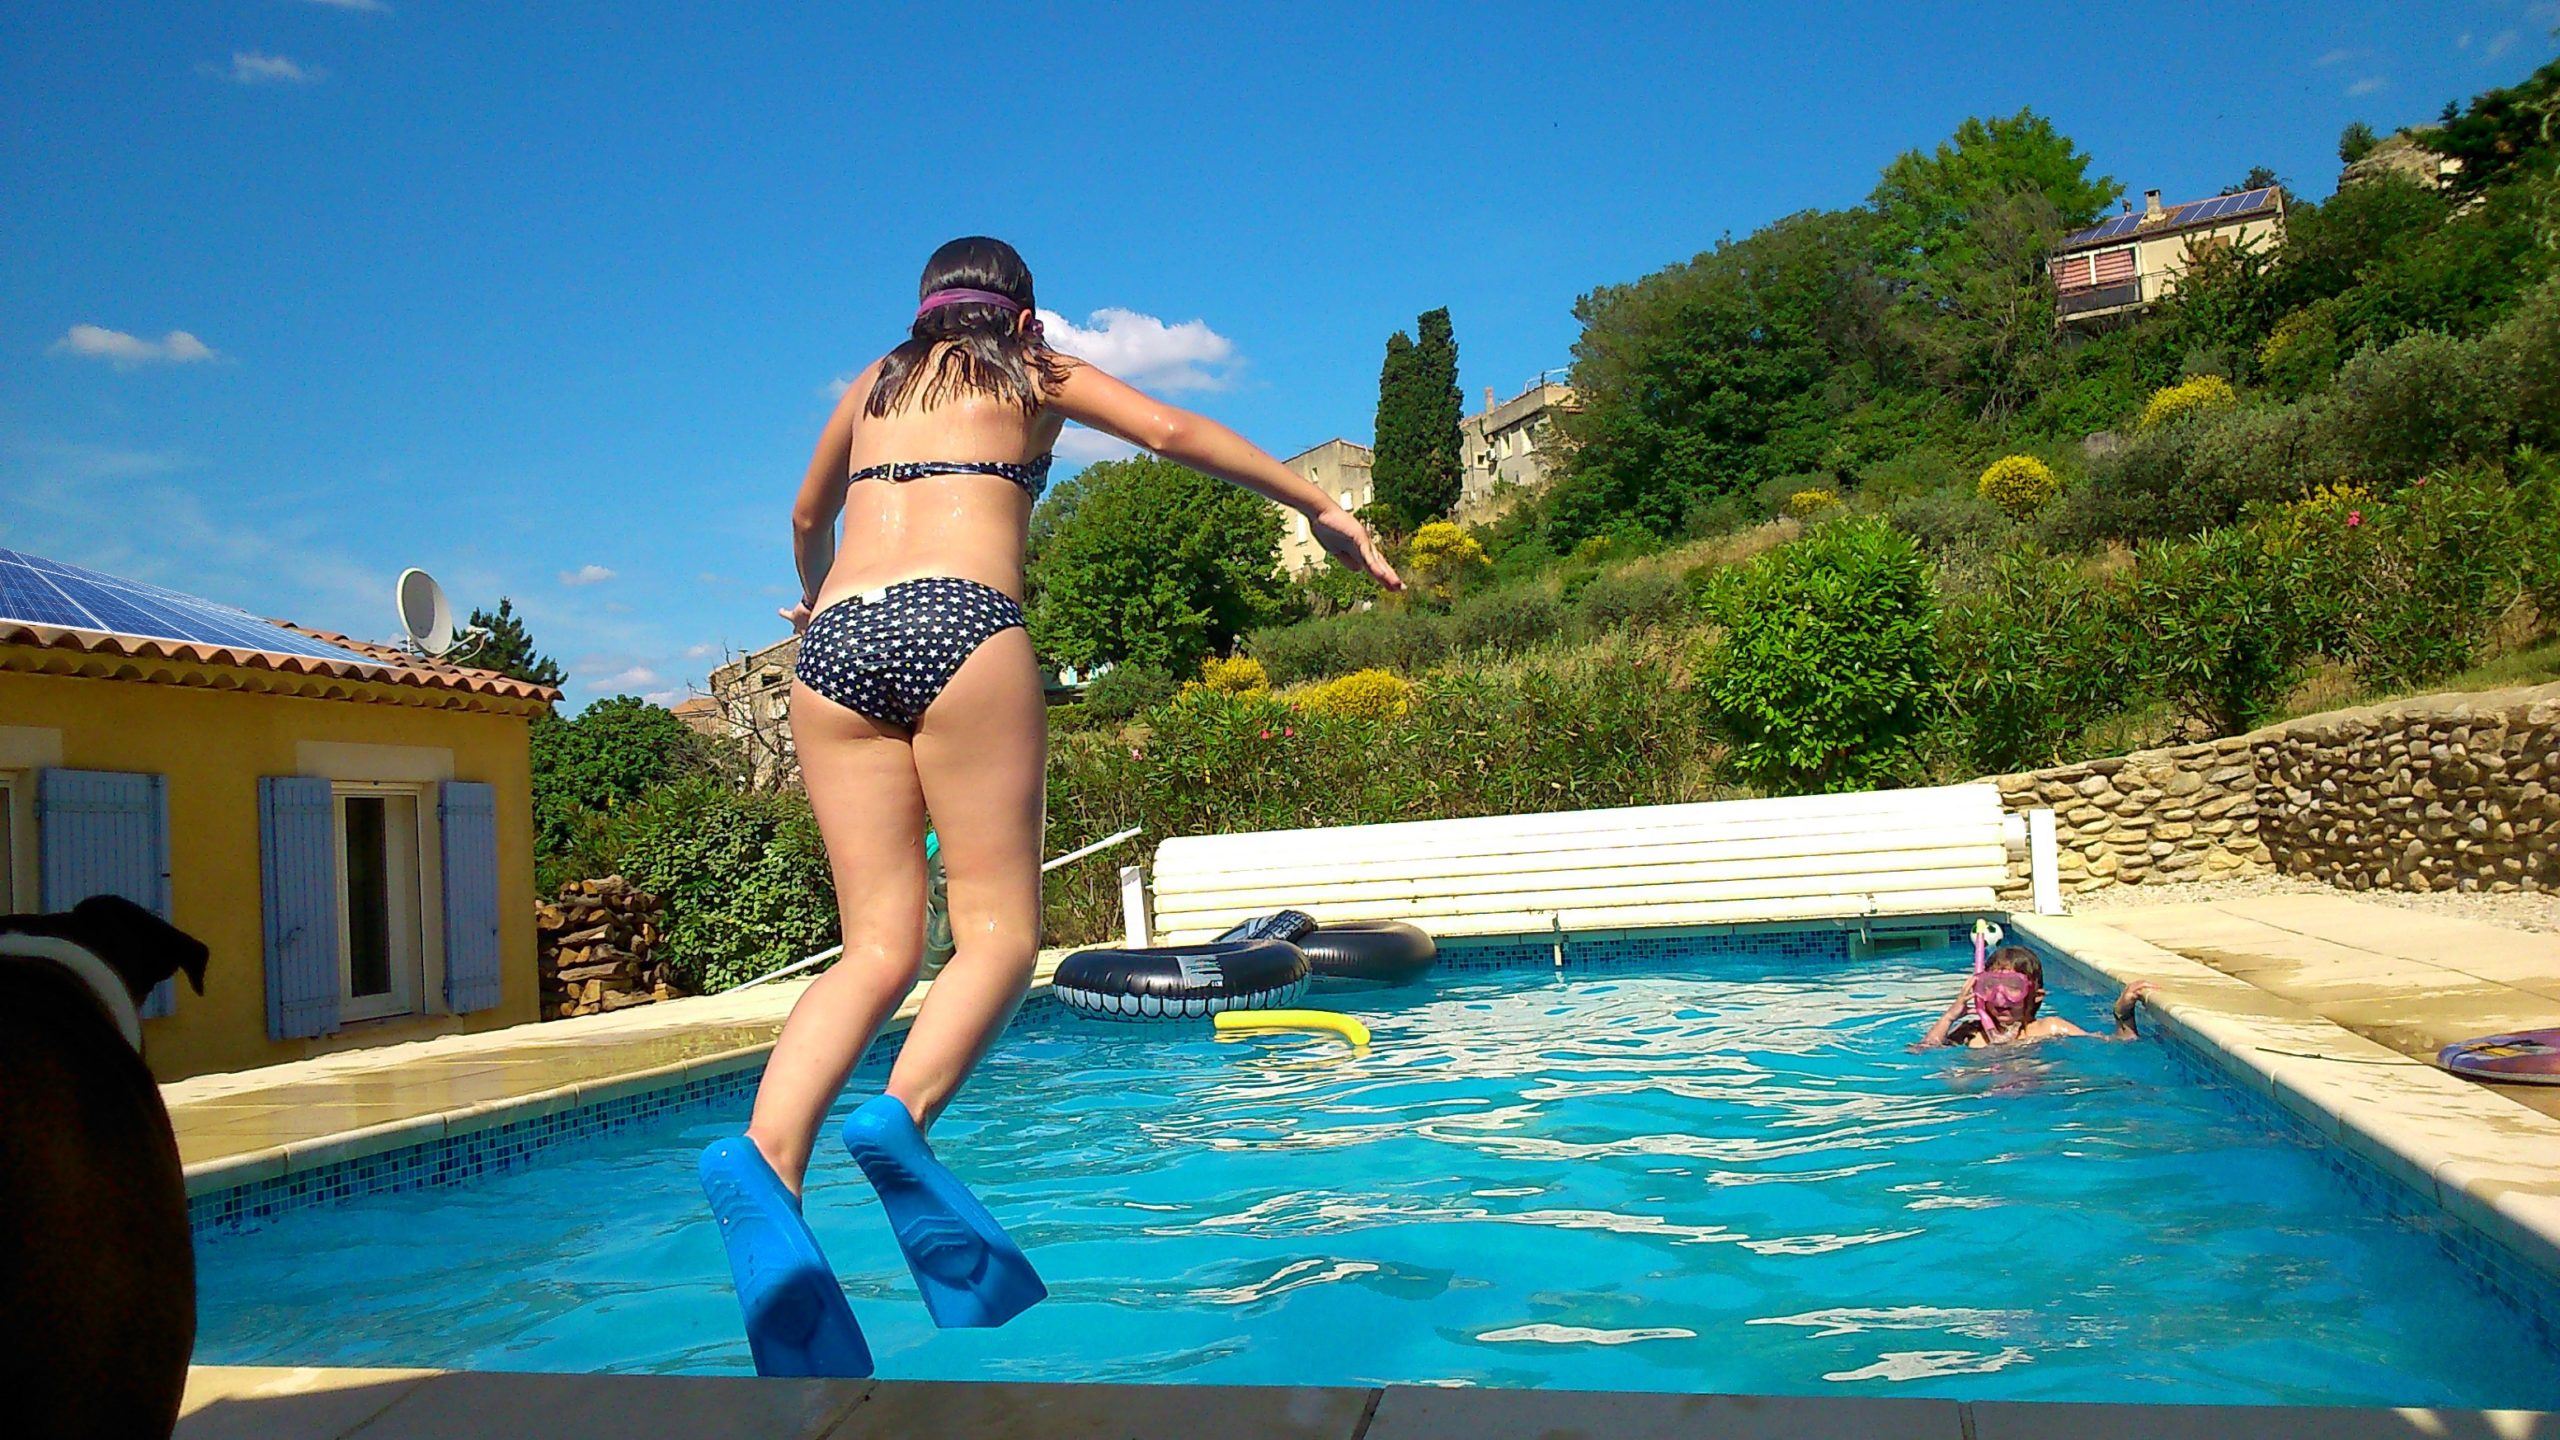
(1926, 851)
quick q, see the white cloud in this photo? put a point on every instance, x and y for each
(702, 652)
(2336, 57)
(839, 385)
(97, 342)
(2499, 44)
(586, 575)
(670, 698)
(375, 6)
(1145, 351)
(633, 679)
(2367, 85)
(248, 67)
(1082, 446)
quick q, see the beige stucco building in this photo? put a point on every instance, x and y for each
(2125, 265)
(1509, 449)
(1340, 469)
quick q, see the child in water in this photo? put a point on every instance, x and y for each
(2001, 1004)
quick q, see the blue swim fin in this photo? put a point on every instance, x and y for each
(797, 1320)
(972, 1274)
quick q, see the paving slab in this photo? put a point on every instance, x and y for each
(483, 1405)
(287, 1403)
(908, 1409)
(1415, 1412)
(2006, 1420)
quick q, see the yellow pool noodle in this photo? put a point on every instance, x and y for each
(1342, 1025)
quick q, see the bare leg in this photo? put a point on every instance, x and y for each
(981, 752)
(862, 783)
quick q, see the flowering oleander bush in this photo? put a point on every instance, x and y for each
(2018, 484)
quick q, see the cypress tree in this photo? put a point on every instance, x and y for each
(1399, 454)
(1444, 476)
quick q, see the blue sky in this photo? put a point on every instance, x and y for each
(549, 298)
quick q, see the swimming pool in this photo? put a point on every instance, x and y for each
(1713, 1173)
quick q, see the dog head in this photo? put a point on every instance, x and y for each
(140, 947)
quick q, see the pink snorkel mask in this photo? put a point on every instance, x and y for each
(962, 295)
(2005, 988)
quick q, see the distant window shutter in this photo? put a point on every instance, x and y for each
(104, 833)
(2114, 267)
(298, 863)
(469, 813)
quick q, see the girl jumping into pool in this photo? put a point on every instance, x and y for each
(916, 693)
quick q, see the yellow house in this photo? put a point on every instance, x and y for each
(348, 827)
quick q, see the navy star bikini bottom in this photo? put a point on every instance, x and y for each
(887, 653)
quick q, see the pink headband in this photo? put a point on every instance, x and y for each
(940, 298)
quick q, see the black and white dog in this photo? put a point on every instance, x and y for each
(97, 1275)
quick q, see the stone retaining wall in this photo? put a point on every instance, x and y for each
(2438, 792)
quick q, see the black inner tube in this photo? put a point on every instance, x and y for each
(1178, 981)
(1389, 951)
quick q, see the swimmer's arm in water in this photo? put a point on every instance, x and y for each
(2054, 1027)
(1090, 397)
(1946, 1023)
(821, 500)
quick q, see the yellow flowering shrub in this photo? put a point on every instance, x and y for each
(1242, 675)
(1806, 504)
(2019, 484)
(1360, 695)
(1439, 554)
(2188, 397)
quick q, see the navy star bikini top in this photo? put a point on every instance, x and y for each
(1032, 477)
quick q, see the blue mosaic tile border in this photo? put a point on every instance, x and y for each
(1616, 949)
(2523, 1287)
(495, 1149)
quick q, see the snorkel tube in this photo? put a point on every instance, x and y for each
(1985, 936)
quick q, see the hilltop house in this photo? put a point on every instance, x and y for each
(2125, 265)
(348, 827)
(1508, 449)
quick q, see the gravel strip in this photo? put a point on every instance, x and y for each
(2514, 910)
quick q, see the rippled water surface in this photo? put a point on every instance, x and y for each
(1727, 1179)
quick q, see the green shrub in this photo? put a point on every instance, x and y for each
(1826, 667)
(1509, 620)
(1360, 695)
(1123, 690)
(744, 877)
(1236, 674)
(2538, 500)
(2219, 637)
(2198, 473)
(2418, 406)
(1951, 522)
(591, 765)
(1401, 638)
(1922, 470)
(2196, 395)
(2524, 358)
(1627, 600)
(2033, 658)
(2406, 590)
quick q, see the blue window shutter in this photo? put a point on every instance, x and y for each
(100, 832)
(298, 866)
(469, 814)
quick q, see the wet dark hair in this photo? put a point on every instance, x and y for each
(973, 348)
(2020, 959)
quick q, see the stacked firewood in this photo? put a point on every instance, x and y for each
(598, 944)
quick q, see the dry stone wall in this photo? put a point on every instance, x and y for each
(2439, 792)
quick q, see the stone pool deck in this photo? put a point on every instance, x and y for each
(250, 1125)
(2326, 1005)
(248, 1404)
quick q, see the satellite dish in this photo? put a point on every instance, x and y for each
(426, 617)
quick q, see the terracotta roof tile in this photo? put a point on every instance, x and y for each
(387, 664)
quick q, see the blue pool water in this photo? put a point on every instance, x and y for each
(1728, 1176)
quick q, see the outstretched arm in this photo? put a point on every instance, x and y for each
(2126, 1006)
(1090, 397)
(821, 499)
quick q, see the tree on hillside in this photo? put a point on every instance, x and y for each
(1927, 203)
(2503, 129)
(2258, 178)
(509, 650)
(593, 764)
(2356, 142)
(1417, 469)
(1154, 564)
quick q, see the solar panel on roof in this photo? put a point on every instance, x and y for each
(48, 592)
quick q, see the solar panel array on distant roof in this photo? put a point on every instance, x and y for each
(48, 592)
(2194, 212)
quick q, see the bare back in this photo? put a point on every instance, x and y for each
(969, 526)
